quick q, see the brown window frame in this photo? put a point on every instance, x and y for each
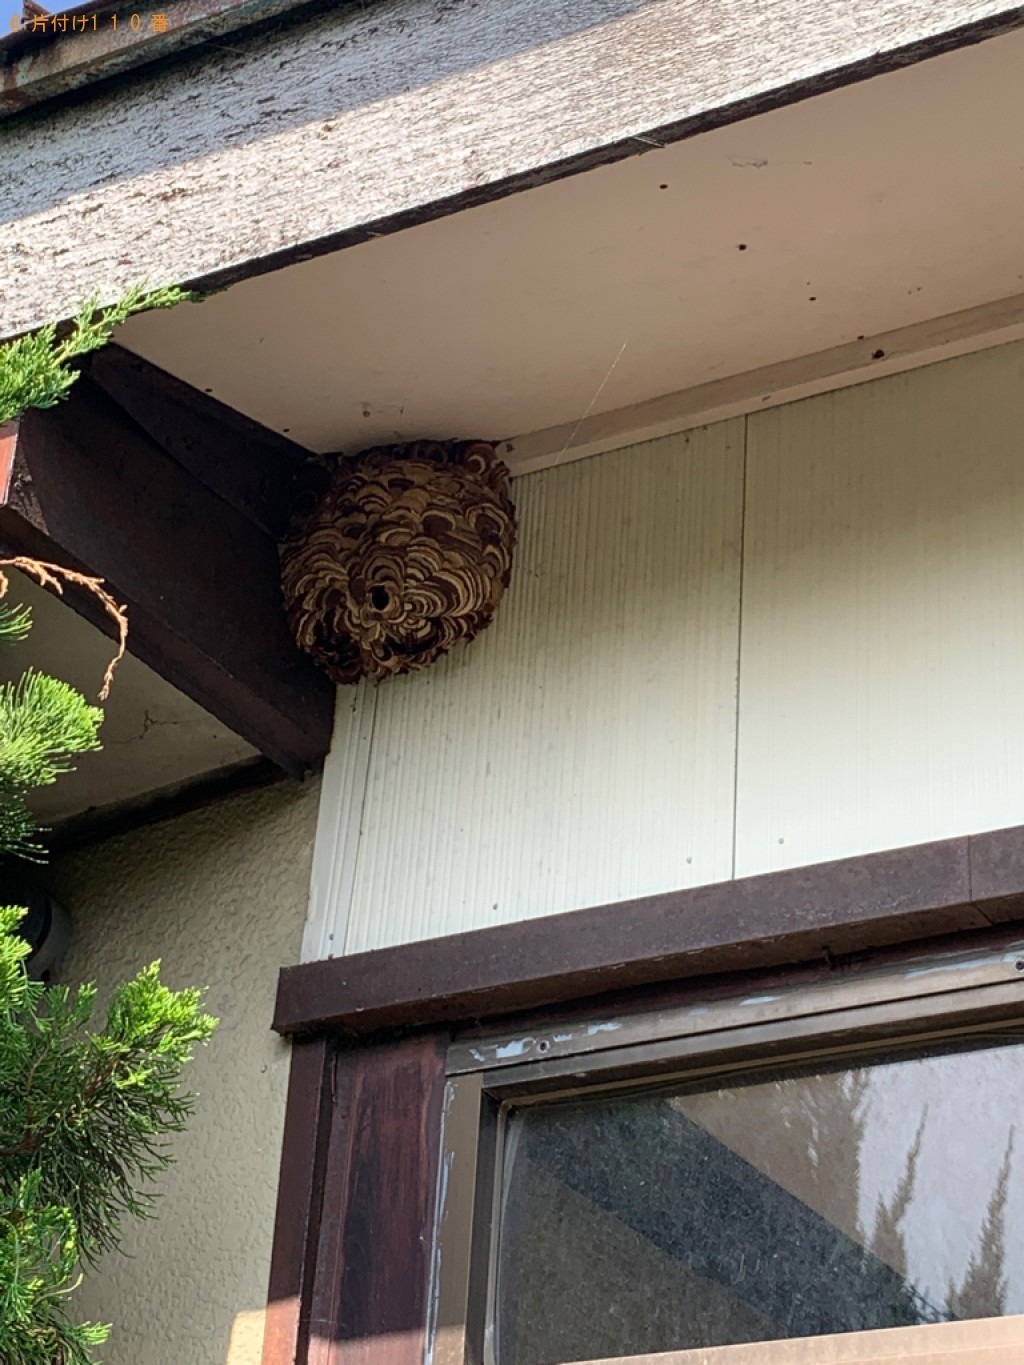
(379, 1037)
(947, 994)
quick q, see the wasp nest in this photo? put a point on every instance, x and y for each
(407, 553)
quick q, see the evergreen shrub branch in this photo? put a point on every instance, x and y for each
(85, 1117)
(36, 370)
(86, 1110)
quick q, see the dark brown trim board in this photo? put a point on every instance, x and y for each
(299, 1200)
(781, 918)
(350, 1267)
(359, 1171)
(106, 822)
(370, 1292)
(253, 469)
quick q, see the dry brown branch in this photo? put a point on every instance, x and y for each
(50, 576)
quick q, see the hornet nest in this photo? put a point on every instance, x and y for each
(407, 553)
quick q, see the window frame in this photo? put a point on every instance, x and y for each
(917, 999)
(374, 1034)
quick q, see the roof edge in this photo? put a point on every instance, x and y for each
(52, 57)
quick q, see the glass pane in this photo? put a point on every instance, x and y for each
(783, 1205)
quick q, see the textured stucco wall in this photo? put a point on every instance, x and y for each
(220, 896)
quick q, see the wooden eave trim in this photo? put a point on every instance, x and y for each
(176, 502)
(664, 135)
(40, 66)
(99, 824)
(783, 918)
(500, 164)
(786, 381)
(258, 472)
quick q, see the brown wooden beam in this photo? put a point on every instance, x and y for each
(368, 1300)
(98, 824)
(255, 470)
(779, 919)
(174, 511)
(355, 1203)
(300, 1192)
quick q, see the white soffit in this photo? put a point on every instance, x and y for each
(834, 223)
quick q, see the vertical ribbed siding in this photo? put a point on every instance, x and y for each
(582, 749)
(883, 615)
(336, 851)
(586, 747)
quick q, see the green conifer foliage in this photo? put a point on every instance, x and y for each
(86, 1109)
(36, 370)
(84, 1120)
(43, 724)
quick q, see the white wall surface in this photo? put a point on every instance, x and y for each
(856, 561)
(219, 895)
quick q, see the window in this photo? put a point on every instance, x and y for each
(813, 1174)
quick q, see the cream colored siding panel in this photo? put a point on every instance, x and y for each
(582, 749)
(339, 822)
(881, 698)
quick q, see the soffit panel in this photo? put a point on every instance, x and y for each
(868, 209)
